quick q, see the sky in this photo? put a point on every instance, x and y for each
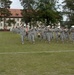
(16, 4)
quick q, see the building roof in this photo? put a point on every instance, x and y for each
(15, 13)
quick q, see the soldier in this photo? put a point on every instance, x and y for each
(43, 35)
(48, 34)
(62, 34)
(39, 32)
(72, 34)
(15, 30)
(51, 32)
(31, 35)
(22, 33)
(66, 31)
(57, 33)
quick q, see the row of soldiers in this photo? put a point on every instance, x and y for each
(45, 33)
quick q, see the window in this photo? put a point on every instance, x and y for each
(1, 24)
(17, 19)
(17, 24)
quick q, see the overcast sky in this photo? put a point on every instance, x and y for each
(16, 4)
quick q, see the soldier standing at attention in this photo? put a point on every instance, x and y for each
(31, 35)
(22, 33)
(48, 34)
(72, 34)
(66, 31)
(57, 34)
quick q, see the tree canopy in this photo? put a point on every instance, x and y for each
(4, 6)
(69, 11)
(40, 10)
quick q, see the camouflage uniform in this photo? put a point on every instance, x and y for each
(31, 35)
(72, 34)
(22, 33)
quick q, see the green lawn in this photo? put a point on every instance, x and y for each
(51, 63)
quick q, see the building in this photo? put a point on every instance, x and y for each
(15, 15)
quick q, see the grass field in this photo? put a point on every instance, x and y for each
(40, 58)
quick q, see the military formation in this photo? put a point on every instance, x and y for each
(46, 33)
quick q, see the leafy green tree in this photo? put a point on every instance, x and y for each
(69, 11)
(47, 11)
(40, 10)
(4, 6)
(28, 10)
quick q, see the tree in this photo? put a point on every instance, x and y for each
(47, 11)
(40, 10)
(28, 10)
(69, 11)
(4, 6)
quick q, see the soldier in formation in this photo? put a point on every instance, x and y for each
(72, 34)
(45, 33)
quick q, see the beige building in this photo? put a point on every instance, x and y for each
(15, 15)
